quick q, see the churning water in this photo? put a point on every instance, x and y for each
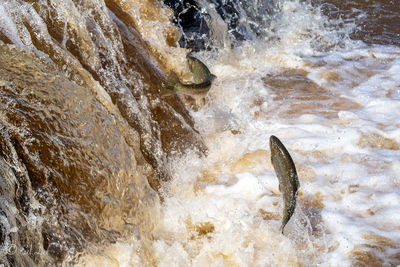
(98, 170)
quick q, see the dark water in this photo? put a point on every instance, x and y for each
(84, 133)
(85, 138)
(194, 18)
(377, 22)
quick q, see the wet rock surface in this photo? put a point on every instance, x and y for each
(85, 138)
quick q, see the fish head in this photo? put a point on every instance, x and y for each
(274, 143)
(199, 70)
(192, 61)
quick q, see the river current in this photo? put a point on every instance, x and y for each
(96, 169)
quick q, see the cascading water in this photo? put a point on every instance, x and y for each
(83, 128)
(97, 169)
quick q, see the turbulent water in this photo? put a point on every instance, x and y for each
(98, 170)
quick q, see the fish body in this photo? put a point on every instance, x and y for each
(202, 80)
(200, 71)
(288, 181)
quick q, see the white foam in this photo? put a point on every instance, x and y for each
(216, 213)
(7, 25)
(358, 184)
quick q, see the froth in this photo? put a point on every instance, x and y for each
(351, 190)
(225, 208)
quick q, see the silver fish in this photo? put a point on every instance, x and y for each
(288, 181)
(202, 80)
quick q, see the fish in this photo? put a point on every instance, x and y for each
(202, 77)
(288, 181)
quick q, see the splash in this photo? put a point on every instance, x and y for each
(80, 106)
(301, 85)
(90, 124)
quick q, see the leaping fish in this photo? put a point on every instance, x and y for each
(202, 80)
(288, 181)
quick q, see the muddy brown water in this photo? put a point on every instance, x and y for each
(82, 149)
(378, 21)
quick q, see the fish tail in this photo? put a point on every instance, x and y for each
(170, 89)
(172, 80)
(167, 92)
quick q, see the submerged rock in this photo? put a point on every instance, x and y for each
(83, 130)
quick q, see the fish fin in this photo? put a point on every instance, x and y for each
(167, 92)
(172, 80)
(280, 190)
(170, 88)
(213, 76)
